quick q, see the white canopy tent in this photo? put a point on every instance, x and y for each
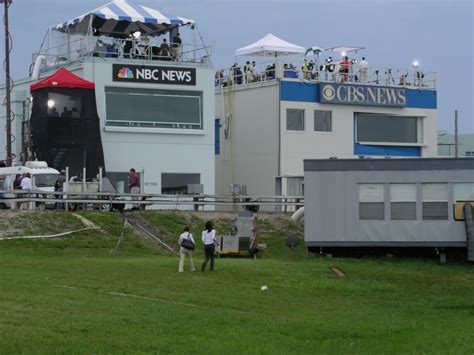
(270, 45)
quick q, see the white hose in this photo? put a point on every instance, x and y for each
(39, 62)
(50, 235)
(298, 214)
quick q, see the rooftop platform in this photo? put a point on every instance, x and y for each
(329, 72)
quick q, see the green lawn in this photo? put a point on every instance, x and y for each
(71, 295)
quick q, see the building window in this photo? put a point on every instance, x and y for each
(133, 107)
(371, 202)
(295, 186)
(176, 183)
(322, 121)
(294, 120)
(381, 128)
(435, 201)
(469, 153)
(403, 201)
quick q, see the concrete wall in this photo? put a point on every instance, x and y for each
(332, 210)
(250, 153)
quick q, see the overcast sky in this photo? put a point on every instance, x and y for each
(439, 33)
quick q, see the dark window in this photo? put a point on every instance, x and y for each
(371, 211)
(294, 120)
(176, 183)
(45, 180)
(403, 201)
(403, 210)
(323, 121)
(435, 201)
(385, 128)
(435, 210)
(133, 107)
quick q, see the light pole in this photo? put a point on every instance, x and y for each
(6, 4)
(415, 71)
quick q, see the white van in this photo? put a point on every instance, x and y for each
(43, 178)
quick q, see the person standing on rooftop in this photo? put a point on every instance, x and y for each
(363, 68)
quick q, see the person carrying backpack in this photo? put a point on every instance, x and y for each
(186, 247)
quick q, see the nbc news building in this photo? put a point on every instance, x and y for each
(155, 108)
(267, 128)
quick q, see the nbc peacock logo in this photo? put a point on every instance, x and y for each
(125, 73)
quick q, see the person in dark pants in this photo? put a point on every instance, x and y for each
(209, 241)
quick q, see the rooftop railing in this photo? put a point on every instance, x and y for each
(328, 72)
(112, 48)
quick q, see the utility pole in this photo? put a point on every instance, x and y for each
(456, 154)
(6, 4)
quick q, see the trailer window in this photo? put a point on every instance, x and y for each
(371, 202)
(463, 192)
(435, 202)
(403, 201)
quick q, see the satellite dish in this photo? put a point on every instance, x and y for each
(292, 241)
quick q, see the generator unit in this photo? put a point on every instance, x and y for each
(242, 238)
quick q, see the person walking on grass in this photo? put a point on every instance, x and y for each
(186, 247)
(209, 240)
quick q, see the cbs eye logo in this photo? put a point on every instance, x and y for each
(328, 93)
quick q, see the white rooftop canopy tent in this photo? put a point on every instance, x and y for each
(270, 45)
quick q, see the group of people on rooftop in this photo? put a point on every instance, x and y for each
(137, 45)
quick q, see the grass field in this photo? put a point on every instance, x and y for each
(71, 295)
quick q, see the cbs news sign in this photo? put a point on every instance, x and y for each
(348, 94)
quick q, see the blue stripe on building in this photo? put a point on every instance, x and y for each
(309, 92)
(389, 151)
(299, 91)
(421, 98)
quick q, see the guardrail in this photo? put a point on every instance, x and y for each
(110, 48)
(326, 72)
(37, 199)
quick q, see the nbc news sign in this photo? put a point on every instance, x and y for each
(349, 94)
(154, 75)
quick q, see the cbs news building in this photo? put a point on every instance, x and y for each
(273, 126)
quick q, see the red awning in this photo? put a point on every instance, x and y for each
(63, 78)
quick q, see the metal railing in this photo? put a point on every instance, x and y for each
(328, 72)
(38, 199)
(112, 48)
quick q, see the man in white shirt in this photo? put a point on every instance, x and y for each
(26, 186)
(363, 68)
